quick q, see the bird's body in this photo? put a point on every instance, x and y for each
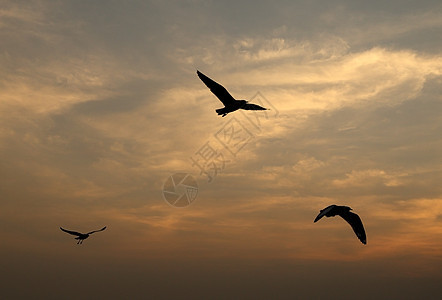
(344, 211)
(81, 236)
(230, 103)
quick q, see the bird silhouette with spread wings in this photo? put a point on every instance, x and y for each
(230, 103)
(81, 236)
(344, 212)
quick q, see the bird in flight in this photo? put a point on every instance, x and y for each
(351, 218)
(230, 103)
(81, 236)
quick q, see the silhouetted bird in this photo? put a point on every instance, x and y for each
(81, 236)
(352, 219)
(230, 103)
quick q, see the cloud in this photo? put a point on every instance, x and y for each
(109, 124)
(365, 177)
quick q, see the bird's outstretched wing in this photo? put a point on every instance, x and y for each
(217, 89)
(97, 230)
(250, 106)
(356, 223)
(323, 212)
(71, 232)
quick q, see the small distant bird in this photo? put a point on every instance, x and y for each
(351, 218)
(81, 236)
(230, 103)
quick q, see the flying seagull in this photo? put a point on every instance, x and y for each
(230, 103)
(81, 236)
(351, 218)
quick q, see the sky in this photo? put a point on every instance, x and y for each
(100, 106)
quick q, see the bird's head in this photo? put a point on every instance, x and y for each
(243, 102)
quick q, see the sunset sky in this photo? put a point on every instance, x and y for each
(100, 103)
